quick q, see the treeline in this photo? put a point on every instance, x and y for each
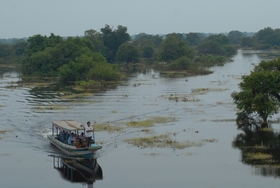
(98, 54)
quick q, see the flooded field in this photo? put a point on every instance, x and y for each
(155, 132)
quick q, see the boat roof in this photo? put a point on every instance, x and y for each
(70, 125)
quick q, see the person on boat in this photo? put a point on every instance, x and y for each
(88, 133)
(71, 139)
(78, 142)
(82, 137)
(83, 140)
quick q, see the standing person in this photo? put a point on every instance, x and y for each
(88, 133)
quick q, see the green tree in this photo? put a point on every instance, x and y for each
(173, 47)
(6, 51)
(216, 45)
(39, 63)
(193, 39)
(147, 44)
(89, 66)
(113, 39)
(38, 43)
(263, 34)
(183, 63)
(47, 61)
(128, 52)
(97, 41)
(235, 37)
(259, 96)
(248, 42)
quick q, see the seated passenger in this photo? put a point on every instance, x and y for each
(78, 142)
(71, 139)
(83, 140)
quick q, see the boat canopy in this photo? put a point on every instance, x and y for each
(70, 125)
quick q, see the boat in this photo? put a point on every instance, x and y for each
(78, 170)
(61, 131)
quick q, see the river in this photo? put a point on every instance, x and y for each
(204, 113)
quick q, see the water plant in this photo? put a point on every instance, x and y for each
(150, 122)
(107, 127)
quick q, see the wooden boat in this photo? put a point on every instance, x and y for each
(61, 131)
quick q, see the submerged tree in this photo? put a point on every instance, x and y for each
(259, 96)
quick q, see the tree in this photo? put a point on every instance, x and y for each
(262, 34)
(97, 41)
(193, 39)
(173, 47)
(47, 61)
(235, 37)
(89, 66)
(216, 45)
(248, 42)
(128, 53)
(38, 43)
(183, 63)
(113, 39)
(147, 44)
(259, 96)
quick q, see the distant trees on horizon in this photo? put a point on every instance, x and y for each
(109, 47)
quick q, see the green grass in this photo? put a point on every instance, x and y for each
(106, 127)
(151, 122)
(164, 141)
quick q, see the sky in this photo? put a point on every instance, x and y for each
(25, 18)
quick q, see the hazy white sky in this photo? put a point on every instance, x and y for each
(24, 18)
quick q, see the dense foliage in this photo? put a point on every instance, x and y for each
(56, 55)
(72, 59)
(259, 95)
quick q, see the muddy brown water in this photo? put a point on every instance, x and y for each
(26, 113)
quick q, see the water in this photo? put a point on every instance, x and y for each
(27, 114)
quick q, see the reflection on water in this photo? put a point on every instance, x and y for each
(260, 149)
(78, 170)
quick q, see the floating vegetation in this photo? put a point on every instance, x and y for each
(181, 97)
(5, 154)
(174, 74)
(148, 131)
(164, 141)
(258, 156)
(224, 120)
(206, 90)
(154, 154)
(3, 132)
(114, 111)
(209, 140)
(151, 122)
(106, 127)
(76, 96)
(51, 107)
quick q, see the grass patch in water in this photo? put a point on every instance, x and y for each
(164, 141)
(258, 156)
(3, 132)
(206, 90)
(151, 122)
(76, 96)
(224, 120)
(51, 107)
(180, 97)
(106, 127)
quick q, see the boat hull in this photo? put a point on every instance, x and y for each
(72, 151)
